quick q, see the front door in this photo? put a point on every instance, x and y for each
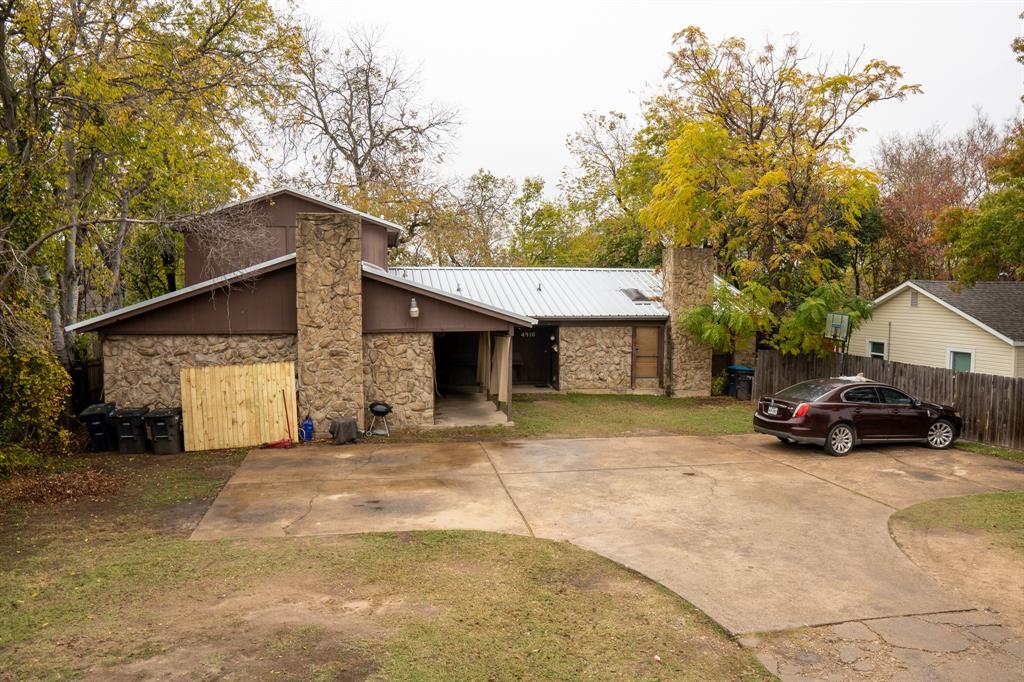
(532, 356)
(646, 342)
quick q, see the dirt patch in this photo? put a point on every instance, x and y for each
(68, 486)
(971, 562)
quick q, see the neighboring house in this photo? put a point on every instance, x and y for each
(943, 324)
(320, 291)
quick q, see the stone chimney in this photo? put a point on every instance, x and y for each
(688, 274)
(329, 302)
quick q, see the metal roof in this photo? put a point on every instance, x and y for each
(230, 278)
(550, 293)
(382, 275)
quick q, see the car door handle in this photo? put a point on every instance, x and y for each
(894, 411)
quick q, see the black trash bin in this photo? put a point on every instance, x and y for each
(734, 373)
(129, 423)
(744, 386)
(97, 421)
(165, 432)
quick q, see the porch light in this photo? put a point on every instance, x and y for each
(414, 310)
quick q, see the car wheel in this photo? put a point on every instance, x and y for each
(839, 441)
(941, 434)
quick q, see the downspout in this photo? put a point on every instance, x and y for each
(669, 355)
(888, 342)
(508, 369)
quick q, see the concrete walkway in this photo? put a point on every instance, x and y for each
(759, 535)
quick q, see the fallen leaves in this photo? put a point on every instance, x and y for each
(60, 487)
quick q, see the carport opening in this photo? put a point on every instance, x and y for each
(463, 391)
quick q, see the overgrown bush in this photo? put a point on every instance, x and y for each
(719, 383)
(34, 389)
(18, 457)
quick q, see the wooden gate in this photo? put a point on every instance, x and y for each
(235, 406)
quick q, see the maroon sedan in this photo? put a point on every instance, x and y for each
(841, 413)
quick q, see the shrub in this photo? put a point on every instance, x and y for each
(35, 390)
(719, 382)
(18, 457)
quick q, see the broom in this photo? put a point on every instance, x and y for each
(284, 443)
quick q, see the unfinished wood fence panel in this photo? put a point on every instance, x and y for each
(992, 406)
(234, 406)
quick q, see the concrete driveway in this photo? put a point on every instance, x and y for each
(759, 535)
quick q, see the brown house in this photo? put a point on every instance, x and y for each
(320, 292)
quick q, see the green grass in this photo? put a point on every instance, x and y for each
(576, 415)
(992, 450)
(1000, 515)
(90, 586)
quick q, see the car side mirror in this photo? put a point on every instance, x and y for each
(917, 403)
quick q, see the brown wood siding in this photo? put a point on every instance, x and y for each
(375, 244)
(386, 309)
(280, 240)
(279, 214)
(265, 306)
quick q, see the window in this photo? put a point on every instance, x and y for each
(913, 299)
(876, 349)
(960, 359)
(864, 394)
(806, 391)
(891, 396)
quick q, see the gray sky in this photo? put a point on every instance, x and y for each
(523, 73)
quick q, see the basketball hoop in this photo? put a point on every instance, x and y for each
(837, 328)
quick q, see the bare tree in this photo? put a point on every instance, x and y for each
(921, 175)
(357, 115)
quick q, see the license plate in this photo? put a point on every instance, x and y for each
(772, 410)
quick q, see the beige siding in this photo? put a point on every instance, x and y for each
(923, 334)
(1020, 362)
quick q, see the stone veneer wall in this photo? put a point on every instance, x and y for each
(688, 275)
(399, 369)
(329, 309)
(145, 371)
(595, 358)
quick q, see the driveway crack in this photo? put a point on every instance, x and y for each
(309, 508)
(504, 487)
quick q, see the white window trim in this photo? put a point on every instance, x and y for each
(949, 356)
(885, 348)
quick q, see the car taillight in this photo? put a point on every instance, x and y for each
(801, 410)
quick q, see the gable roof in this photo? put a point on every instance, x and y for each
(996, 307)
(381, 275)
(394, 229)
(553, 293)
(369, 270)
(196, 289)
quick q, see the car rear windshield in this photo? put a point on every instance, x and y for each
(805, 391)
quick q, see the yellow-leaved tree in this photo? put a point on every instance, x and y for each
(757, 166)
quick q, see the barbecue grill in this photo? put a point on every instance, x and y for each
(378, 409)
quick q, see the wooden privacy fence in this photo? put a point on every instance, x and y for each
(992, 406)
(234, 406)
